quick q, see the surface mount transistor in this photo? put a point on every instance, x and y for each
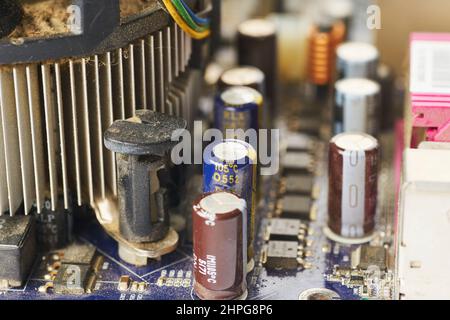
(282, 255)
(79, 254)
(296, 207)
(300, 142)
(78, 271)
(17, 249)
(299, 184)
(295, 162)
(284, 230)
(367, 256)
(309, 125)
(76, 279)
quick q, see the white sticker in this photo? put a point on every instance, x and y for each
(353, 194)
(430, 67)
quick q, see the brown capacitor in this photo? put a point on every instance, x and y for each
(257, 46)
(353, 182)
(220, 246)
(323, 42)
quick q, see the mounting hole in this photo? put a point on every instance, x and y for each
(319, 294)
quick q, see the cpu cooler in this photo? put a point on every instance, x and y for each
(67, 72)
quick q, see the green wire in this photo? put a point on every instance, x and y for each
(186, 17)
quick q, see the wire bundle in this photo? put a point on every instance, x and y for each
(197, 27)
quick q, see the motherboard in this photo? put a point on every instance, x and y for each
(221, 150)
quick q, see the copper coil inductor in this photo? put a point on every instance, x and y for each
(323, 42)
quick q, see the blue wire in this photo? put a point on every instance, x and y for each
(196, 18)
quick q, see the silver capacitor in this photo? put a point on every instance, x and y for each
(357, 106)
(357, 60)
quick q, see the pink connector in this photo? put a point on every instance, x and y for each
(430, 84)
(436, 117)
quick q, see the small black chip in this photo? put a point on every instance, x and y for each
(282, 255)
(54, 228)
(296, 207)
(299, 184)
(284, 229)
(17, 249)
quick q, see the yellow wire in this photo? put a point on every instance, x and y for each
(183, 25)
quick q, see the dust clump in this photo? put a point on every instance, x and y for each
(43, 18)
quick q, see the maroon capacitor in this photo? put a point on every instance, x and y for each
(220, 246)
(353, 183)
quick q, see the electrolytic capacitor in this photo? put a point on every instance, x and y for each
(357, 106)
(338, 10)
(386, 79)
(257, 46)
(238, 108)
(353, 182)
(247, 76)
(357, 60)
(232, 165)
(220, 246)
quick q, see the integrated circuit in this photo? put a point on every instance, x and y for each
(285, 230)
(282, 255)
(17, 249)
(295, 207)
(367, 256)
(301, 184)
(297, 162)
(78, 268)
(76, 279)
(300, 142)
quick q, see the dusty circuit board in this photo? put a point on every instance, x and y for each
(294, 258)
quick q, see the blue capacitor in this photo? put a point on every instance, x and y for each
(231, 165)
(239, 108)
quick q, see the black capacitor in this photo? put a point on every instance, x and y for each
(257, 46)
(386, 79)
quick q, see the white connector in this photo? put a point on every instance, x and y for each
(423, 260)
